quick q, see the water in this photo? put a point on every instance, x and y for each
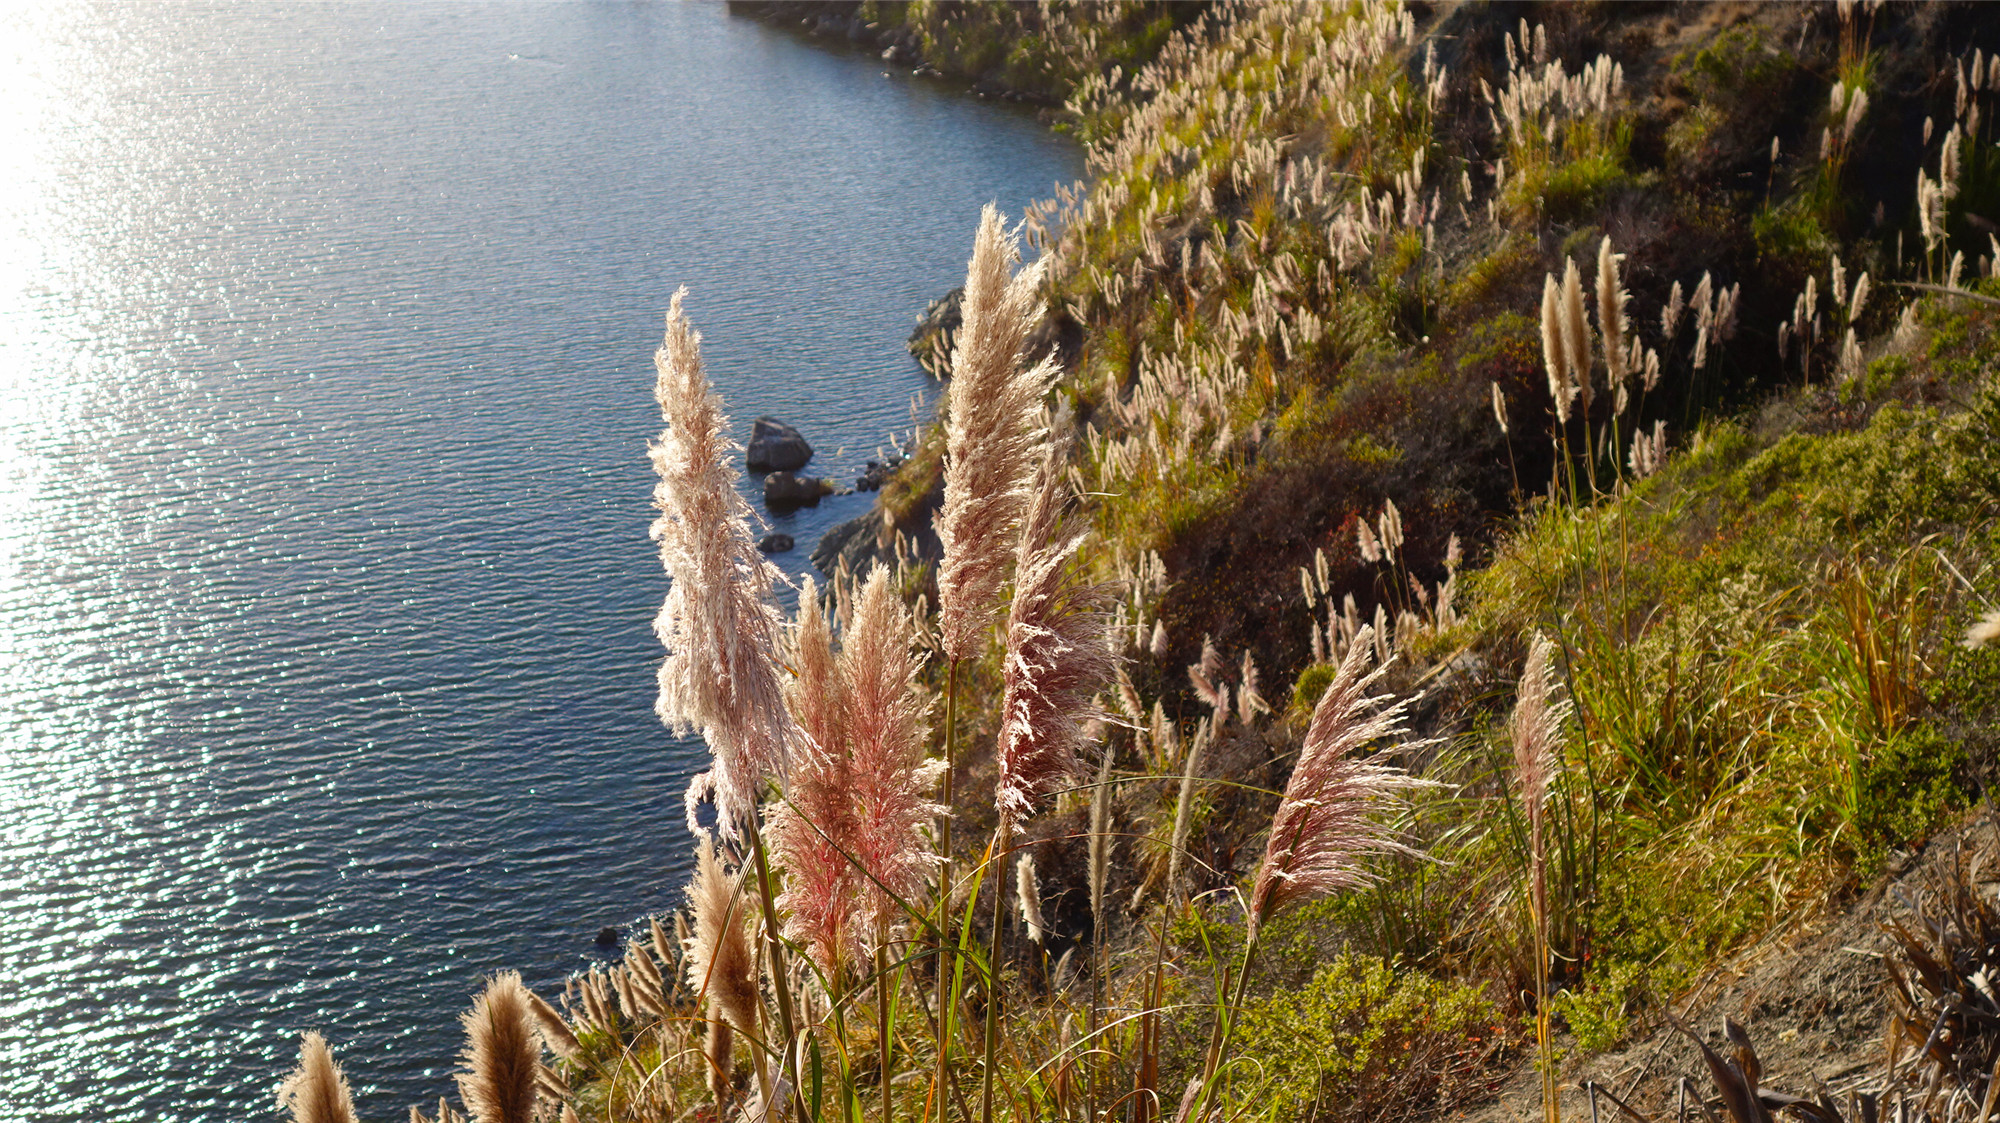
(325, 368)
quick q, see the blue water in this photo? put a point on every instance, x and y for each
(325, 591)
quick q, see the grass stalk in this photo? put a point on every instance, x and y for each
(780, 983)
(947, 997)
(1000, 843)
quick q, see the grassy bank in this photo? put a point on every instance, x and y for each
(1614, 384)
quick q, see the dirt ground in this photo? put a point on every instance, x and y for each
(1813, 997)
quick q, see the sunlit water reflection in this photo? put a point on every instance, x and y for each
(325, 378)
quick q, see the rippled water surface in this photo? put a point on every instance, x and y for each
(325, 593)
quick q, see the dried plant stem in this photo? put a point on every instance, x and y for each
(780, 979)
(1545, 1061)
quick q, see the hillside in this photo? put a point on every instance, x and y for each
(1620, 380)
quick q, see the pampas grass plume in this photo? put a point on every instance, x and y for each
(1984, 630)
(812, 832)
(1536, 729)
(1554, 354)
(1576, 334)
(720, 964)
(888, 726)
(718, 624)
(991, 435)
(1328, 821)
(1028, 896)
(1611, 299)
(556, 1033)
(316, 1091)
(1056, 660)
(501, 1054)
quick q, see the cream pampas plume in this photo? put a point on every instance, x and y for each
(718, 624)
(1328, 821)
(502, 1054)
(1056, 661)
(888, 727)
(1536, 728)
(1554, 351)
(1983, 631)
(1611, 325)
(1576, 335)
(1028, 896)
(812, 831)
(992, 432)
(556, 1032)
(316, 1092)
(721, 968)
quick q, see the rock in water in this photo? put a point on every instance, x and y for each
(775, 543)
(783, 490)
(776, 447)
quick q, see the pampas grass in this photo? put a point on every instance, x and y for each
(316, 1091)
(991, 435)
(718, 623)
(1555, 355)
(721, 968)
(1536, 729)
(888, 726)
(556, 1032)
(812, 833)
(502, 1054)
(1328, 821)
(1057, 658)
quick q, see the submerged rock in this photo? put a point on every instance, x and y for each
(776, 447)
(775, 543)
(785, 490)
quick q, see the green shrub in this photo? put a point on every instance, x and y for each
(1909, 787)
(1599, 1010)
(1357, 1034)
(1312, 683)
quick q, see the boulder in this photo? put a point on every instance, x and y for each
(877, 473)
(776, 447)
(783, 490)
(775, 543)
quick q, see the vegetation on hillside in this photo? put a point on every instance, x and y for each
(1535, 476)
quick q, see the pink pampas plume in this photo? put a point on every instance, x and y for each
(1056, 661)
(1328, 820)
(812, 832)
(718, 623)
(888, 727)
(992, 432)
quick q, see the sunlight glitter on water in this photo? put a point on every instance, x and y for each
(325, 337)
